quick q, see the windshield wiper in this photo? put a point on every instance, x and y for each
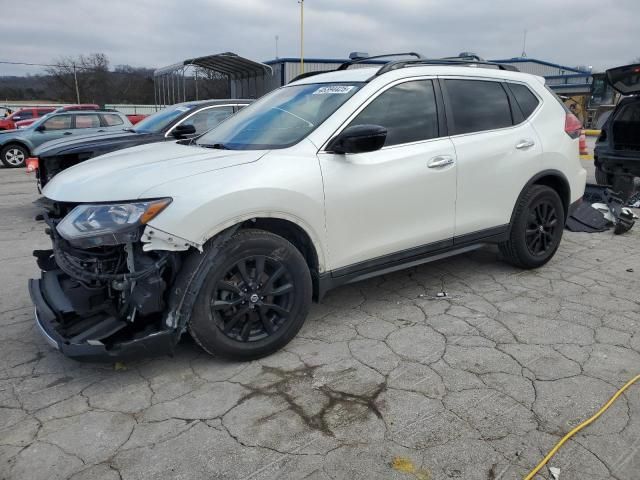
(218, 146)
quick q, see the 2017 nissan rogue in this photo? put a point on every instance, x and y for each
(331, 179)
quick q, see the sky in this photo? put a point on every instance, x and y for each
(155, 33)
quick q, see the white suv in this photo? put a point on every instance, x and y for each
(329, 180)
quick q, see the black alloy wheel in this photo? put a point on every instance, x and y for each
(253, 299)
(541, 227)
(536, 228)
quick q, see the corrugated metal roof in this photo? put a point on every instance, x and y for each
(227, 63)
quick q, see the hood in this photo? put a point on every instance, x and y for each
(625, 79)
(128, 174)
(89, 142)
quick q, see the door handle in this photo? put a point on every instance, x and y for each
(67, 133)
(100, 131)
(525, 144)
(440, 161)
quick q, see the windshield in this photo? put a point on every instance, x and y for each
(160, 120)
(39, 121)
(281, 118)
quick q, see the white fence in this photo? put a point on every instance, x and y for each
(127, 109)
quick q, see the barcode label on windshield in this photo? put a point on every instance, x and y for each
(342, 89)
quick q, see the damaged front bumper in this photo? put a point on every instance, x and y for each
(95, 336)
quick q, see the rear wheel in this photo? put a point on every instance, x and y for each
(602, 178)
(14, 156)
(537, 228)
(255, 298)
(623, 186)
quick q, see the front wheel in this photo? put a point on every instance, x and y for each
(255, 297)
(14, 156)
(536, 229)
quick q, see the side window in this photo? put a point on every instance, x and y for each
(208, 118)
(25, 114)
(526, 100)
(59, 122)
(408, 112)
(478, 105)
(111, 120)
(87, 121)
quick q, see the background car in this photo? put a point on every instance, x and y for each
(25, 122)
(16, 145)
(617, 151)
(182, 120)
(24, 114)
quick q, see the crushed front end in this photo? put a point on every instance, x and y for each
(100, 295)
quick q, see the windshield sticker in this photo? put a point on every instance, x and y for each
(342, 89)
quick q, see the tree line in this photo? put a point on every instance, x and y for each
(98, 83)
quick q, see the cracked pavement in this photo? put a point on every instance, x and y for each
(384, 375)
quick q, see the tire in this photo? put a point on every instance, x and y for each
(536, 228)
(14, 156)
(236, 314)
(602, 178)
(623, 186)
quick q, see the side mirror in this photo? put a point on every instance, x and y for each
(40, 128)
(359, 139)
(183, 130)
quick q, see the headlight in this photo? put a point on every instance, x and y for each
(93, 225)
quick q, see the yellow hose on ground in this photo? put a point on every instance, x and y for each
(589, 421)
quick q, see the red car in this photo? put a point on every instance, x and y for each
(30, 114)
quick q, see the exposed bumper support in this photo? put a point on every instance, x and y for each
(51, 304)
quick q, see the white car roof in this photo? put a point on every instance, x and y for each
(364, 74)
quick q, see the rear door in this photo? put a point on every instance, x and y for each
(497, 151)
(57, 126)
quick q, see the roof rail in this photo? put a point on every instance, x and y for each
(442, 61)
(346, 65)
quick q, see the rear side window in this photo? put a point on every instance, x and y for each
(478, 105)
(111, 120)
(407, 111)
(87, 121)
(527, 101)
(24, 114)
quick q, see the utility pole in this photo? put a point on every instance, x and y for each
(301, 2)
(276, 46)
(75, 79)
(524, 44)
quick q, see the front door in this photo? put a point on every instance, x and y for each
(396, 200)
(55, 127)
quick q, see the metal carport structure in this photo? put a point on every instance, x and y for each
(247, 78)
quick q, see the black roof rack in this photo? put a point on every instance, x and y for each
(470, 61)
(346, 65)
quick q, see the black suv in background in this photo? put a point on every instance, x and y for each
(617, 150)
(179, 121)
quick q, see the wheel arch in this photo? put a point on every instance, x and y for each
(19, 143)
(554, 179)
(289, 227)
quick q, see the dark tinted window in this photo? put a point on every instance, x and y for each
(206, 119)
(527, 101)
(478, 105)
(407, 111)
(23, 114)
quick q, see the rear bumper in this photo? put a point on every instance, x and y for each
(617, 163)
(52, 305)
